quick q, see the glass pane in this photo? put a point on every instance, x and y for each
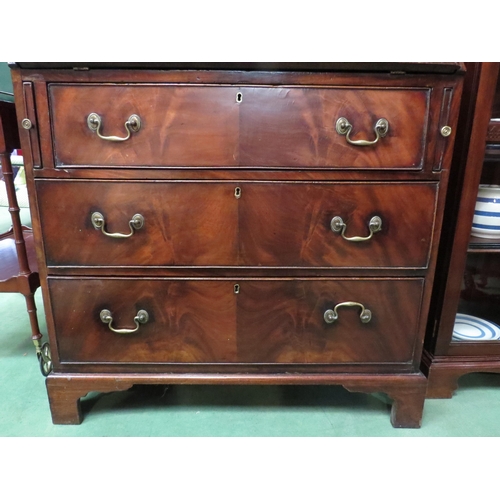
(478, 316)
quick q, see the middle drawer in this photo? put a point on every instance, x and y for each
(254, 224)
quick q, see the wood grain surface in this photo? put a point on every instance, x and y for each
(278, 144)
(295, 127)
(189, 321)
(281, 321)
(184, 223)
(270, 225)
(288, 224)
(205, 126)
(205, 321)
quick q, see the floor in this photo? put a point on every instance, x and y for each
(247, 411)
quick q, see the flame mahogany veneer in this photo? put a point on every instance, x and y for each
(238, 174)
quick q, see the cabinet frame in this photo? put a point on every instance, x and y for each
(406, 387)
(445, 360)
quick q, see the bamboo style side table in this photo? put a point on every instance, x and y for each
(18, 266)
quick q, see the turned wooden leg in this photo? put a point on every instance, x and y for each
(65, 393)
(31, 308)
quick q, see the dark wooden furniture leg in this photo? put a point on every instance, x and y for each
(406, 391)
(443, 382)
(408, 395)
(65, 393)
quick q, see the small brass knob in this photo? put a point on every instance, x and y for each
(446, 131)
(26, 124)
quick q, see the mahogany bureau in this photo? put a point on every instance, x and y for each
(237, 223)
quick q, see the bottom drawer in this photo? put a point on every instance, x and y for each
(293, 321)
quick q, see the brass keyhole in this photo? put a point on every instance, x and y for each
(239, 97)
(236, 288)
(237, 193)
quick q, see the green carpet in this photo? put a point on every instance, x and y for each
(218, 410)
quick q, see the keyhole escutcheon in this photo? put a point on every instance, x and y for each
(237, 193)
(239, 97)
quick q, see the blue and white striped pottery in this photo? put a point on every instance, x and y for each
(472, 328)
(486, 222)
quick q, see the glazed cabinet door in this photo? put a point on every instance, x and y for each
(475, 271)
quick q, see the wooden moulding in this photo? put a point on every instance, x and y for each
(443, 372)
(410, 67)
(407, 391)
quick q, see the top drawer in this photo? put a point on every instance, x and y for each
(239, 126)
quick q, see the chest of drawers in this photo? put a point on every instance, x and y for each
(237, 227)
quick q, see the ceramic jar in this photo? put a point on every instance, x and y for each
(486, 222)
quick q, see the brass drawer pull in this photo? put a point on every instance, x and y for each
(343, 127)
(331, 316)
(94, 122)
(141, 318)
(135, 223)
(339, 226)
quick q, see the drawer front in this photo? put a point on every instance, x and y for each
(183, 223)
(290, 224)
(268, 225)
(296, 127)
(238, 126)
(189, 321)
(283, 321)
(205, 321)
(180, 125)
